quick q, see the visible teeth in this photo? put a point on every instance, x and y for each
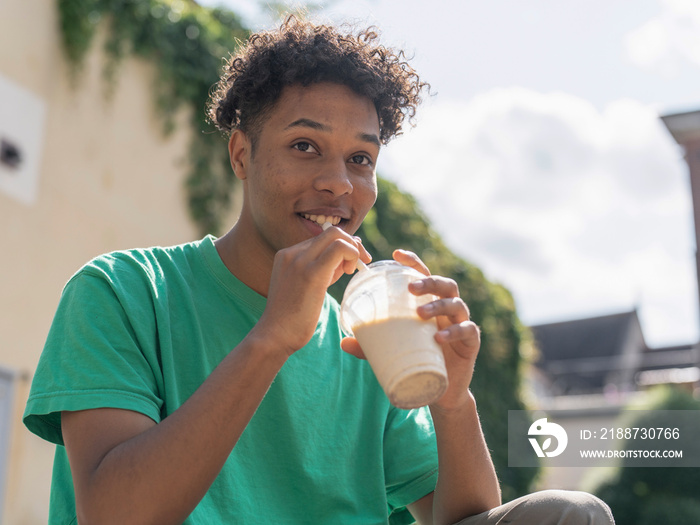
(321, 219)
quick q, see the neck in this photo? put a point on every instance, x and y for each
(246, 258)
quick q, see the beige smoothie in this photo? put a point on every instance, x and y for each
(379, 310)
(404, 356)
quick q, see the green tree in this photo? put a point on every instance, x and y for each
(396, 221)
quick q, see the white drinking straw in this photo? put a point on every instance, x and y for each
(360, 265)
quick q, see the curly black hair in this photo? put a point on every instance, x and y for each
(301, 52)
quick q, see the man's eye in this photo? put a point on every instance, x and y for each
(361, 159)
(305, 147)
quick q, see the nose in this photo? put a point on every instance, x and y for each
(334, 177)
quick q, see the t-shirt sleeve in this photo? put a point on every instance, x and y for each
(410, 460)
(93, 358)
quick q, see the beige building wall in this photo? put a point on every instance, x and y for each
(108, 179)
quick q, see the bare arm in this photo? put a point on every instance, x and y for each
(164, 470)
(467, 482)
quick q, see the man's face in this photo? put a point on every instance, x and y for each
(314, 162)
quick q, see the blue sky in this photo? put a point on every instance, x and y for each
(541, 156)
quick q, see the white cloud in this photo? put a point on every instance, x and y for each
(666, 42)
(576, 210)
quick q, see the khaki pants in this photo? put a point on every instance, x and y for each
(549, 507)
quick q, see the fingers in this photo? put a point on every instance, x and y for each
(449, 305)
(352, 347)
(436, 285)
(467, 333)
(456, 331)
(337, 242)
(411, 260)
(454, 318)
(325, 257)
(453, 308)
(365, 256)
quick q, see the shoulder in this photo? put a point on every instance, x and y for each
(140, 276)
(125, 267)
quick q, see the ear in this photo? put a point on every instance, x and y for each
(239, 150)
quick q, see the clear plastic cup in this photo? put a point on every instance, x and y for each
(380, 312)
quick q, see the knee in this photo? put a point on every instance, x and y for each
(577, 508)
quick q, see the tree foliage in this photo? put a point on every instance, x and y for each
(396, 221)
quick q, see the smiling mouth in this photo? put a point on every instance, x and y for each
(321, 219)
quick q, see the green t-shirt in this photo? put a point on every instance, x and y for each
(142, 329)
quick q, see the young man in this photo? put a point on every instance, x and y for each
(205, 383)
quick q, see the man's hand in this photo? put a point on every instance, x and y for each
(457, 334)
(300, 277)
(467, 484)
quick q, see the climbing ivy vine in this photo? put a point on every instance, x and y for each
(186, 43)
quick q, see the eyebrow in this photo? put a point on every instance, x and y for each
(308, 123)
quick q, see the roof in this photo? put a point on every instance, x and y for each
(684, 127)
(602, 336)
(681, 356)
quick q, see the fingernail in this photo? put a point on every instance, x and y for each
(443, 334)
(418, 285)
